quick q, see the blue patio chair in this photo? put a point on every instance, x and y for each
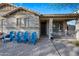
(18, 37)
(11, 35)
(26, 37)
(34, 37)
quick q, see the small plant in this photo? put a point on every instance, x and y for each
(76, 43)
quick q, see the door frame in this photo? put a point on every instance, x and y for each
(41, 28)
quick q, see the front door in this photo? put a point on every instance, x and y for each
(43, 28)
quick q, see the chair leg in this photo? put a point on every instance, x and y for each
(11, 39)
(25, 41)
(33, 42)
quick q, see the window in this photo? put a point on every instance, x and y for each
(57, 26)
(18, 22)
(26, 22)
(22, 22)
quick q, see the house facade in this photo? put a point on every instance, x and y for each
(14, 18)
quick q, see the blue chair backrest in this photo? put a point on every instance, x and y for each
(26, 35)
(18, 36)
(34, 37)
(11, 36)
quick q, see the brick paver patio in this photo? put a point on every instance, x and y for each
(42, 48)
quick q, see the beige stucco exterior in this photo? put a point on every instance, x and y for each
(10, 24)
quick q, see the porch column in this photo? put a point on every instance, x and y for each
(50, 27)
(65, 27)
(77, 29)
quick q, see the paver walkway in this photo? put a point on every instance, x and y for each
(65, 48)
(43, 48)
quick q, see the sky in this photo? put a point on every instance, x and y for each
(51, 8)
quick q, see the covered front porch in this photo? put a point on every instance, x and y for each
(57, 25)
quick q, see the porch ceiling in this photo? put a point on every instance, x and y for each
(59, 17)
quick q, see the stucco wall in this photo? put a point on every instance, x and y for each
(10, 24)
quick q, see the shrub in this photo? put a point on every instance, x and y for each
(76, 43)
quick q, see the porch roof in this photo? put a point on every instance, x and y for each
(74, 15)
(60, 17)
